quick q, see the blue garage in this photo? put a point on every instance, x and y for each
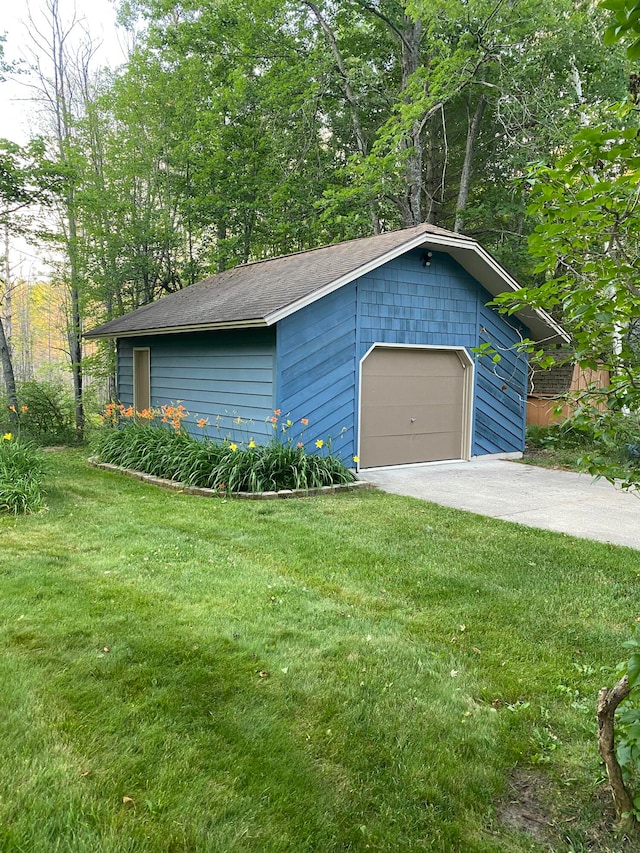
(371, 342)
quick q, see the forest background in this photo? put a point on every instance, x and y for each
(239, 131)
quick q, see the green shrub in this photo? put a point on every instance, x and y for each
(221, 465)
(608, 433)
(22, 469)
(576, 432)
(46, 412)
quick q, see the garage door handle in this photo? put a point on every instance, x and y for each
(413, 420)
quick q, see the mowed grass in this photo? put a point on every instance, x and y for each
(352, 672)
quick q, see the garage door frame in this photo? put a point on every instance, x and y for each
(467, 401)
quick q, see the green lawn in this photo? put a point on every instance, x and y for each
(351, 672)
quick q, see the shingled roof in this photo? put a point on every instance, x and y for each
(264, 292)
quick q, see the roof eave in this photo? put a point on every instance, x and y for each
(176, 330)
(494, 278)
(466, 251)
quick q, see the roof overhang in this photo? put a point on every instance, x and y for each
(178, 330)
(471, 256)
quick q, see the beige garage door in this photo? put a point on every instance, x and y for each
(413, 406)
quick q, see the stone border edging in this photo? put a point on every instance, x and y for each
(214, 493)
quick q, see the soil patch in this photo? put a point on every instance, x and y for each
(525, 806)
(531, 807)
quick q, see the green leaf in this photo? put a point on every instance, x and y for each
(633, 669)
(610, 35)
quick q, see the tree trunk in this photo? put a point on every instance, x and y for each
(430, 180)
(8, 318)
(9, 378)
(608, 701)
(5, 338)
(410, 62)
(467, 166)
(75, 348)
(350, 96)
(75, 319)
(412, 201)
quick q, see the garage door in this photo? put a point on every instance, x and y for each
(413, 406)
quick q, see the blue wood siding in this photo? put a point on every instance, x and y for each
(501, 388)
(442, 305)
(220, 376)
(316, 375)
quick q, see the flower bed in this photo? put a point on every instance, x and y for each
(174, 485)
(141, 442)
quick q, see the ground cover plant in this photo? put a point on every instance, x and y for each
(354, 672)
(607, 445)
(156, 442)
(22, 469)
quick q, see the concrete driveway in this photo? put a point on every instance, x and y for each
(538, 497)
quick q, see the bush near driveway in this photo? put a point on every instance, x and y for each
(607, 445)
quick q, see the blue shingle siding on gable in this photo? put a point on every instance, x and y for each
(405, 302)
(222, 375)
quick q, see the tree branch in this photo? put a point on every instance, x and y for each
(608, 700)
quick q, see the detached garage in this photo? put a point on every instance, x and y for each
(371, 341)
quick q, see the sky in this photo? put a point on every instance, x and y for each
(97, 16)
(18, 120)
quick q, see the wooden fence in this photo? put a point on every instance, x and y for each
(541, 406)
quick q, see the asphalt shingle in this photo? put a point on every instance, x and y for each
(250, 293)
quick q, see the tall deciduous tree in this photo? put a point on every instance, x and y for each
(61, 73)
(469, 89)
(27, 178)
(587, 241)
